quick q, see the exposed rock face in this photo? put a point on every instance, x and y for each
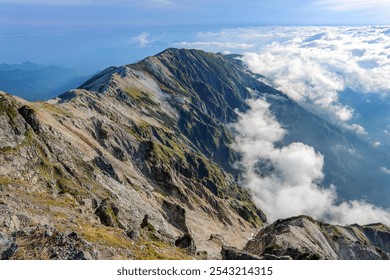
(304, 238)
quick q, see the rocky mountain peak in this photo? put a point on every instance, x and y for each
(124, 146)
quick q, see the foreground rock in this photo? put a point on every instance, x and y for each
(303, 238)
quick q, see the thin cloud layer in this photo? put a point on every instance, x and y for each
(52, 2)
(350, 5)
(82, 2)
(219, 45)
(286, 181)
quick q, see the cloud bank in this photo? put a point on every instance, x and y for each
(219, 45)
(316, 68)
(286, 181)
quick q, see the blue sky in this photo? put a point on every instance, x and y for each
(93, 34)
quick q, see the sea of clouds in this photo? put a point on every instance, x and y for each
(293, 185)
(313, 66)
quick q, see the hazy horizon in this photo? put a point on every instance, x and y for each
(92, 34)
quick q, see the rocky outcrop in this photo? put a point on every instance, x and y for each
(186, 242)
(176, 215)
(108, 213)
(7, 247)
(30, 117)
(305, 238)
(231, 253)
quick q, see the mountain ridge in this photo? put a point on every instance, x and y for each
(135, 149)
(135, 163)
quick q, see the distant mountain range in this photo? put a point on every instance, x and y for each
(37, 82)
(138, 163)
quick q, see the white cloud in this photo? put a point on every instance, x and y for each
(385, 170)
(348, 5)
(141, 40)
(144, 39)
(377, 144)
(358, 129)
(298, 73)
(286, 181)
(358, 212)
